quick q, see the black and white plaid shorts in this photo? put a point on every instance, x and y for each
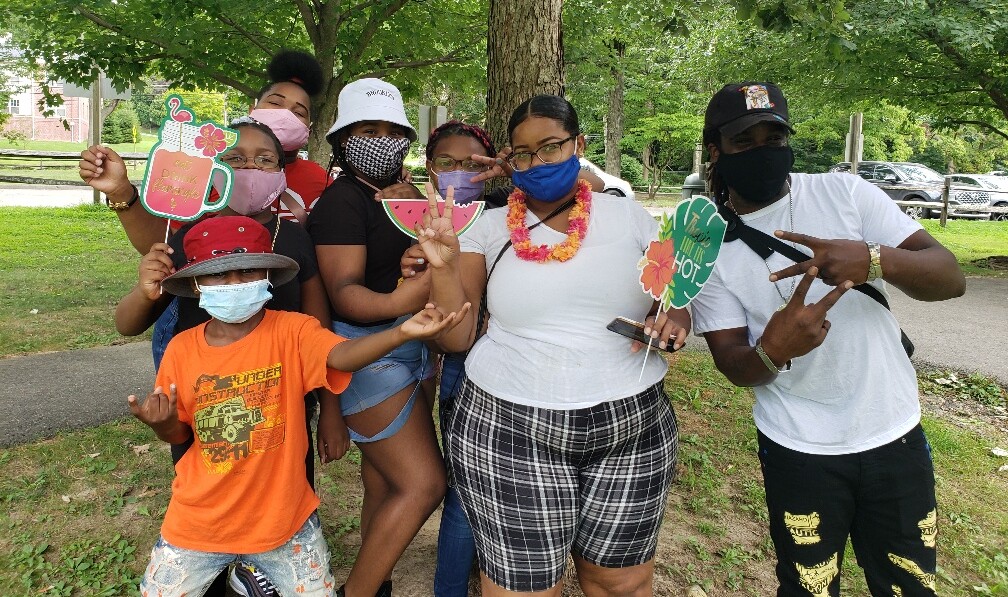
(537, 484)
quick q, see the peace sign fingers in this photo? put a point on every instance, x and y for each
(797, 300)
(826, 303)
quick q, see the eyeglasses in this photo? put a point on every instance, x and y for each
(447, 164)
(263, 162)
(547, 154)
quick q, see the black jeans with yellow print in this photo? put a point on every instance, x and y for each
(883, 499)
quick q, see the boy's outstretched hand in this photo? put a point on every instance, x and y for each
(160, 413)
(432, 322)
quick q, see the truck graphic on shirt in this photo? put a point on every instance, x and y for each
(228, 421)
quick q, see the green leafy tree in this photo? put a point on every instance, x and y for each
(227, 43)
(206, 105)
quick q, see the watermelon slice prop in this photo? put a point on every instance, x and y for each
(407, 213)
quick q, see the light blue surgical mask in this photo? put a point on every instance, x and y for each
(549, 182)
(234, 303)
(465, 190)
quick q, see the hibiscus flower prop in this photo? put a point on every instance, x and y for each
(211, 140)
(677, 264)
(657, 267)
(184, 167)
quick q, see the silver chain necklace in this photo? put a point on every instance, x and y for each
(794, 280)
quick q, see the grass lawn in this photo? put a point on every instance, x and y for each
(80, 511)
(973, 241)
(46, 301)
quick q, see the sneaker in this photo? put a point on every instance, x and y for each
(249, 582)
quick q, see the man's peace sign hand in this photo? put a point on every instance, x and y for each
(798, 328)
(836, 259)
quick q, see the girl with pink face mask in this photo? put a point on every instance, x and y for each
(283, 104)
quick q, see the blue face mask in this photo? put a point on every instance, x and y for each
(234, 303)
(549, 182)
(465, 190)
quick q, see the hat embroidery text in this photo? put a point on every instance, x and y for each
(756, 97)
(386, 93)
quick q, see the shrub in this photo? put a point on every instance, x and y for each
(118, 126)
(631, 170)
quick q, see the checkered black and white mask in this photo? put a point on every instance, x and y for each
(377, 158)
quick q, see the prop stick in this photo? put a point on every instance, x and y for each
(166, 231)
(648, 349)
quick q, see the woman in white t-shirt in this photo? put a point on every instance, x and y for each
(561, 440)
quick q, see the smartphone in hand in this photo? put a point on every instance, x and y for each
(635, 330)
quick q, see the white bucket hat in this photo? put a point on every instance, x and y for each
(370, 99)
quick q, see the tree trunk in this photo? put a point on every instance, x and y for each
(614, 119)
(524, 58)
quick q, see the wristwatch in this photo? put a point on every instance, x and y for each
(874, 260)
(768, 362)
(123, 205)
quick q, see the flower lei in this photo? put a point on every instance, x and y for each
(577, 227)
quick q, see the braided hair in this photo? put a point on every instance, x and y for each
(453, 128)
(718, 190)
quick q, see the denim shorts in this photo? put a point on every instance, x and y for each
(372, 385)
(298, 567)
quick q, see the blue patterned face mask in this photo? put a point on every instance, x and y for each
(549, 182)
(234, 303)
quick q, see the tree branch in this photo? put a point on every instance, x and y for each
(215, 75)
(374, 23)
(977, 123)
(451, 57)
(246, 34)
(308, 18)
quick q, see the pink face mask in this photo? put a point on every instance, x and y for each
(254, 190)
(292, 133)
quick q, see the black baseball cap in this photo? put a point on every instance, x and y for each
(738, 106)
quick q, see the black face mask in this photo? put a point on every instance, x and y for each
(758, 174)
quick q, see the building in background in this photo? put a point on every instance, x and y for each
(68, 122)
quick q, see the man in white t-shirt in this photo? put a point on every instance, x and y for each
(837, 412)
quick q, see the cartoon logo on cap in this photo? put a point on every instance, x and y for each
(756, 97)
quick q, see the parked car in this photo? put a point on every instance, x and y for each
(613, 184)
(906, 181)
(981, 189)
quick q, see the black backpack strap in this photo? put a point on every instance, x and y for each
(765, 245)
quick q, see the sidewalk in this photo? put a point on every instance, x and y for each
(22, 195)
(44, 394)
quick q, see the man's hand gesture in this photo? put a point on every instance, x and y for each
(837, 260)
(797, 328)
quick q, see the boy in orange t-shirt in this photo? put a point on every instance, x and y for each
(236, 385)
